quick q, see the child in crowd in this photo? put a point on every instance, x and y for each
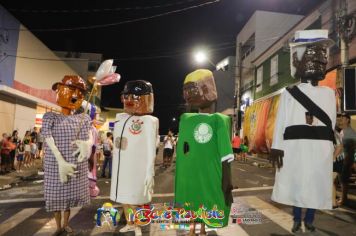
(244, 149)
(33, 153)
(27, 142)
(20, 156)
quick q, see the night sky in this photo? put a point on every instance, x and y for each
(158, 49)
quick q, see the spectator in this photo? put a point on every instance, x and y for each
(244, 148)
(15, 140)
(20, 156)
(5, 154)
(33, 152)
(27, 142)
(107, 148)
(338, 159)
(168, 149)
(236, 142)
(34, 135)
(349, 143)
(40, 140)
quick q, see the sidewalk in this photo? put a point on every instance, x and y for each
(9, 180)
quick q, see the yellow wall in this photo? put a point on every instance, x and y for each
(7, 113)
(40, 74)
(25, 115)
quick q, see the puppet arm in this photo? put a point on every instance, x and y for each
(64, 168)
(149, 180)
(83, 148)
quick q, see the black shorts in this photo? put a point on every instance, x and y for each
(167, 152)
(236, 150)
(5, 159)
(39, 146)
(346, 172)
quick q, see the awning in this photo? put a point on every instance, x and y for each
(24, 96)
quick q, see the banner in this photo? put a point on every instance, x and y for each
(259, 124)
(272, 115)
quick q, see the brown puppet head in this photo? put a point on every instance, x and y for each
(199, 88)
(70, 93)
(137, 97)
(309, 55)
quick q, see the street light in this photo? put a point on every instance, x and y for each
(201, 57)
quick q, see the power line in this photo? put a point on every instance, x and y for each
(169, 54)
(101, 9)
(117, 23)
(119, 59)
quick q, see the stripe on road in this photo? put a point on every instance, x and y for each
(156, 195)
(50, 227)
(240, 169)
(40, 199)
(264, 177)
(278, 216)
(16, 219)
(252, 189)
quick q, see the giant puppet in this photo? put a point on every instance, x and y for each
(203, 177)
(303, 137)
(135, 135)
(66, 135)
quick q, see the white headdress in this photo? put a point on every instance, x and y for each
(302, 38)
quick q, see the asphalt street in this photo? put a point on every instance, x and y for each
(22, 207)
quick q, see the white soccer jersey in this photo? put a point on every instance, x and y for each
(133, 164)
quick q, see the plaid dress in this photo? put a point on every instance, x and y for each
(62, 196)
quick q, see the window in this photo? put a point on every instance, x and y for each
(274, 70)
(259, 79)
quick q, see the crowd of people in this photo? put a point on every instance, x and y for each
(17, 153)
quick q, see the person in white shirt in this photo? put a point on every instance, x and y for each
(168, 149)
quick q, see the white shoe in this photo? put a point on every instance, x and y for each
(138, 231)
(127, 228)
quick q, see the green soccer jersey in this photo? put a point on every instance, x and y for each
(204, 143)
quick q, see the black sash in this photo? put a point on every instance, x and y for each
(306, 131)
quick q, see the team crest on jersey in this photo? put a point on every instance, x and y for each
(203, 133)
(136, 126)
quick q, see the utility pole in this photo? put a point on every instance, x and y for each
(346, 30)
(344, 48)
(238, 82)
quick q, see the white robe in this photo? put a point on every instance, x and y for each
(305, 180)
(136, 161)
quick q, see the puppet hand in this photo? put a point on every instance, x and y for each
(65, 169)
(83, 149)
(276, 157)
(149, 183)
